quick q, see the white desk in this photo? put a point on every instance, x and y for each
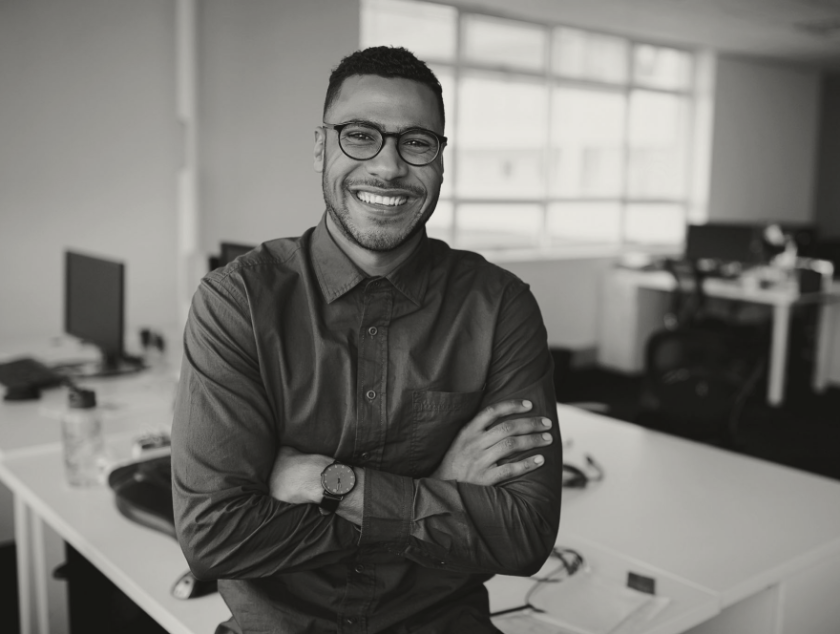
(740, 545)
(762, 537)
(130, 405)
(627, 320)
(143, 563)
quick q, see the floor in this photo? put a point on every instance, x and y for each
(804, 433)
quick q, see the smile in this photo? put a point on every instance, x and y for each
(375, 199)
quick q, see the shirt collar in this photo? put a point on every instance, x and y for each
(337, 274)
(411, 277)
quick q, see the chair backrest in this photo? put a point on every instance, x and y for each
(693, 380)
(688, 301)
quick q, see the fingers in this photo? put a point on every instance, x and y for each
(511, 470)
(511, 445)
(516, 427)
(491, 414)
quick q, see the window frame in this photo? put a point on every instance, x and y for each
(459, 66)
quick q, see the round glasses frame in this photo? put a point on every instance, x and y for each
(338, 127)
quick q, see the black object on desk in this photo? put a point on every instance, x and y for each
(26, 371)
(144, 495)
(25, 377)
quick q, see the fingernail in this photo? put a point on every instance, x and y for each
(526, 404)
(538, 459)
(546, 422)
(546, 436)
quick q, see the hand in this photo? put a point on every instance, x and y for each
(474, 455)
(296, 477)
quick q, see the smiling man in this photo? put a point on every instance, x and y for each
(365, 428)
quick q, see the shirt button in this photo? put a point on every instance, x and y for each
(364, 455)
(372, 331)
(359, 568)
(350, 620)
(371, 394)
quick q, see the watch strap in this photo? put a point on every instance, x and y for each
(329, 503)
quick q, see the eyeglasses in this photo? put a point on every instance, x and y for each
(362, 140)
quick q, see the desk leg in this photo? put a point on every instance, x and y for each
(31, 570)
(39, 576)
(778, 355)
(24, 565)
(824, 344)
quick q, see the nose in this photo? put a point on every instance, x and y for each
(388, 164)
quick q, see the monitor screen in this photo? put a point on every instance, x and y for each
(231, 251)
(94, 301)
(725, 243)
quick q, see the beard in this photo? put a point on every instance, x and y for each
(378, 239)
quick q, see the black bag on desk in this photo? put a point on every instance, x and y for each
(144, 493)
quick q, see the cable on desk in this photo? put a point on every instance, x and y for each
(576, 478)
(570, 562)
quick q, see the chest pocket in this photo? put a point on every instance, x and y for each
(438, 417)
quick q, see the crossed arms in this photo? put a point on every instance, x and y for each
(245, 504)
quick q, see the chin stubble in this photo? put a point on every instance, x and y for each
(375, 240)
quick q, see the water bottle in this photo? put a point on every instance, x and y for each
(84, 446)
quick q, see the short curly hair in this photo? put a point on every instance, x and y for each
(384, 61)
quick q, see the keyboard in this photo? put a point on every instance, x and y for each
(28, 372)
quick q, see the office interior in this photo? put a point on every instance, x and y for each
(151, 132)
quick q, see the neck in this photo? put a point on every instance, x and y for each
(373, 263)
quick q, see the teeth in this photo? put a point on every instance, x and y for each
(367, 197)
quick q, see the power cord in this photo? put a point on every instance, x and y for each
(570, 562)
(576, 478)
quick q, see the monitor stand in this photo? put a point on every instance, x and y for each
(111, 364)
(117, 365)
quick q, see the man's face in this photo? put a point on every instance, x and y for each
(381, 202)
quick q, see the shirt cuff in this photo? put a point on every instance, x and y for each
(387, 512)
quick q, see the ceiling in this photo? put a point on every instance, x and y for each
(802, 31)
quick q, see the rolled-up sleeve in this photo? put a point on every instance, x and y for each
(224, 443)
(509, 528)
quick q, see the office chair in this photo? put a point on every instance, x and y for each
(699, 369)
(696, 384)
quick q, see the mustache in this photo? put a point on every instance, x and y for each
(380, 184)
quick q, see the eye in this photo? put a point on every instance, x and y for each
(358, 135)
(417, 143)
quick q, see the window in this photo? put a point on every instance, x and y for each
(558, 136)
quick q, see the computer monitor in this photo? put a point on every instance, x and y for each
(231, 251)
(725, 243)
(94, 307)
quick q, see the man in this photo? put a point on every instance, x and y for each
(337, 459)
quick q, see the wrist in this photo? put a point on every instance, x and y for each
(316, 490)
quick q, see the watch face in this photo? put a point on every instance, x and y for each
(338, 479)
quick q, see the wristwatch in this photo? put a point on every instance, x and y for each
(338, 480)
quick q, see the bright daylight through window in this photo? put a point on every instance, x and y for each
(557, 136)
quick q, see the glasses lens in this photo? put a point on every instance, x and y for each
(360, 141)
(418, 147)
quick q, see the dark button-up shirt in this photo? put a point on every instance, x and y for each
(293, 345)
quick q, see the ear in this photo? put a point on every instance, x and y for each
(319, 153)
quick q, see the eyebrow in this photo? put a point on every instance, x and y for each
(384, 128)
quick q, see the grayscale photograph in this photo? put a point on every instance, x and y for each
(420, 316)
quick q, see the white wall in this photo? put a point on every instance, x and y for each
(764, 146)
(567, 291)
(88, 153)
(263, 71)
